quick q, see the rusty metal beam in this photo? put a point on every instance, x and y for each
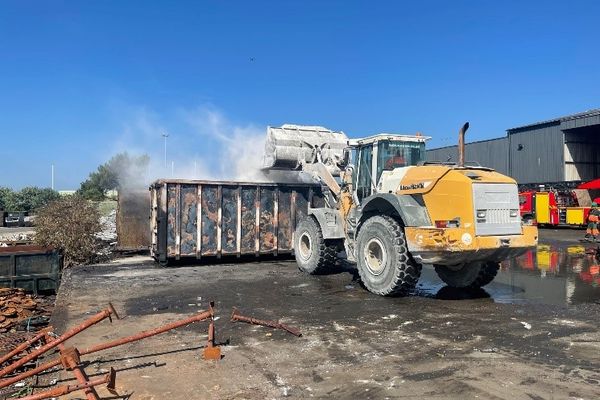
(148, 333)
(236, 316)
(211, 352)
(70, 333)
(114, 343)
(108, 379)
(70, 359)
(25, 345)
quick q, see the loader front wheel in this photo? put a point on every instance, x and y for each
(314, 255)
(384, 264)
(471, 275)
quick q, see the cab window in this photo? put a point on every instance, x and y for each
(392, 155)
(364, 184)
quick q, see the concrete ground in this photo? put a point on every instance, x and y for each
(531, 334)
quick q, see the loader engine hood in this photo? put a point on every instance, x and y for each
(422, 179)
(479, 199)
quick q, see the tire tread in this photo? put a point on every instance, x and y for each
(487, 273)
(406, 271)
(326, 251)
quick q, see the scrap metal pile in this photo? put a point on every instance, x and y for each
(19, 363)
(18, 308)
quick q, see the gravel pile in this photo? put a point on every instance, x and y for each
(107, 237)
(109, 228)
(15, 237)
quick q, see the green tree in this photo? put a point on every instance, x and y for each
(32, 198)
(7, 198)
(120, 171)
(28, 199)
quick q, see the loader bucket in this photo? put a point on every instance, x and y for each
(290, 146)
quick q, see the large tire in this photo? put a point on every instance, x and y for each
(487, 273)
(314, 255)
(471, 275)
(384, 264)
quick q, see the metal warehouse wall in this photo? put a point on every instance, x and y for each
(541, 158)
(449, 153)
(489, 153)
(558, 150)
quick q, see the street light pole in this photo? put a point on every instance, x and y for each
(165, 135)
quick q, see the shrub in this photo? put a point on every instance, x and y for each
(7, 198)
(32, 198)
(28, 199)
(69, 224)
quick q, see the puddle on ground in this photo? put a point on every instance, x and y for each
(551, 274)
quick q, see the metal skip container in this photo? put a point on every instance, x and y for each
(33, 268)
(195, 219)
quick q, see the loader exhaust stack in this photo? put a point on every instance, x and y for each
(461, 144)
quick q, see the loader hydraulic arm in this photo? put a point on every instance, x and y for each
(320, 171)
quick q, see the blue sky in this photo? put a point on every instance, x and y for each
(81, 80)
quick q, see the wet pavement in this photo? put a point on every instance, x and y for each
(561, 271)
(531, 334)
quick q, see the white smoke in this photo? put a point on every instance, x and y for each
(142, 133)
(235, 151)
(240, 148)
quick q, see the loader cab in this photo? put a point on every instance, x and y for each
(383, 152)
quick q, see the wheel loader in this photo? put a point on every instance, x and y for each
(391, 212)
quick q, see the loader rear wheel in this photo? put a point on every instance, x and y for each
(470, 275)
(384, 264)
(487, 273)
(314, 255)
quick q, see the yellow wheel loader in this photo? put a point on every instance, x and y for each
(390, 211)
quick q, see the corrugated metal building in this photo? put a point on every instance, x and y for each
(557, 150)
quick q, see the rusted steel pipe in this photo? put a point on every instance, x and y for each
(103, 346)
(67, 335)
(236, 316)
(25, 345)
(71, 361)
(211, 352)
(62, 390)
(152, 332)
(461, 144)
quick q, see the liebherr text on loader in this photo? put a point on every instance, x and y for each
(391, 212)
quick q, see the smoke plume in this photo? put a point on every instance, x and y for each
(202, 143)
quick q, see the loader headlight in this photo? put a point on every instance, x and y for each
(480, 214)
(514, 213)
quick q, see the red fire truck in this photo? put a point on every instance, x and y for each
(552, 208)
